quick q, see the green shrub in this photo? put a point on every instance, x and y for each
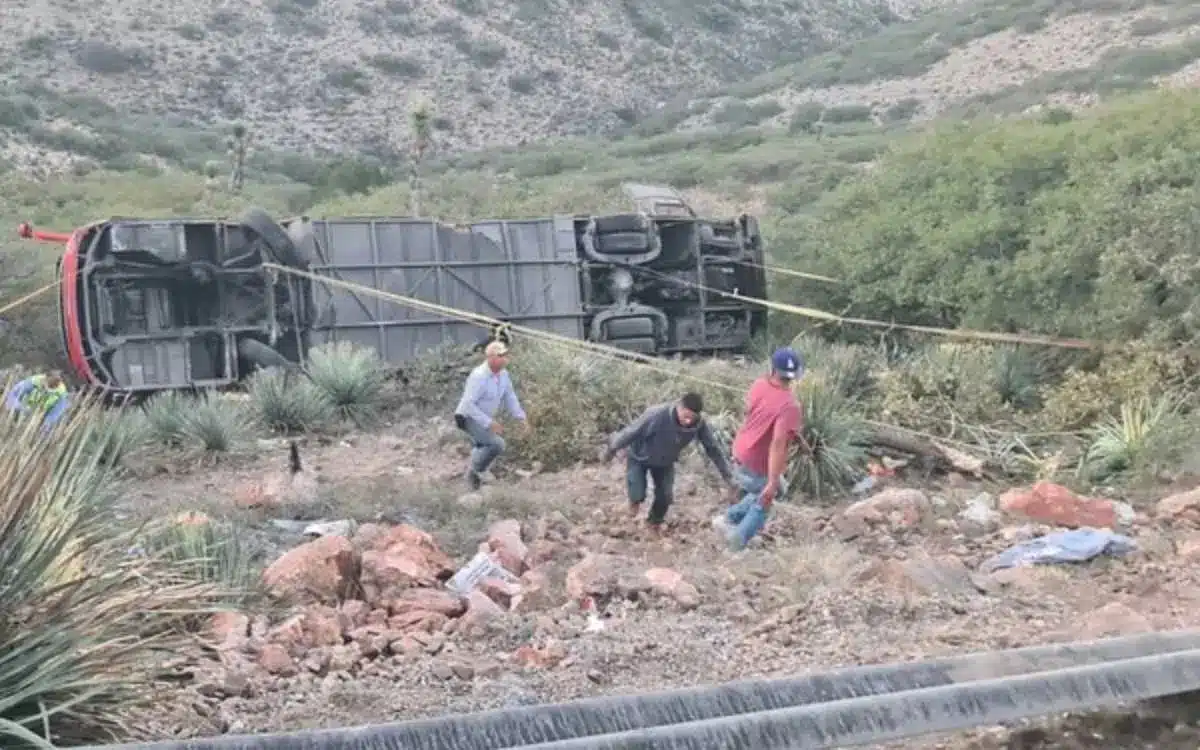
(217, 424)
(576, 400)
(208, 552)
(833, 456)
(288, 403)
(166, 415)
(84, 625)
(1147, 434)
(351, 377)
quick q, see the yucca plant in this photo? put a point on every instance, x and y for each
(216, 424)
(351, 377)
(288, 403)
(834, 434)
(166, 415)
(1017, 376)
(208, 552)
(81, 621)
(1141, 434)
(117, 432)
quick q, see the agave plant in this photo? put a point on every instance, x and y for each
(166, 416)
(217, 424)
(1141, 434)
(351, 377)
(834, 434)
(80, 620)
(287, 403)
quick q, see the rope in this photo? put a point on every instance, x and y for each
(28, 297)
(790, 272)
(483, 321)
(812, 312)
(608, 352)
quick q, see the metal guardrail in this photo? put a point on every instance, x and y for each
(846, 707)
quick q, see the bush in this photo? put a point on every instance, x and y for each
(287, 403)
(1147, 435)
(1077, 229)
(351, 377)
(165, 415)
(217, 424)
(833, 456)
(604, 395)
(206, 552)
(84, 625)
(209, 423)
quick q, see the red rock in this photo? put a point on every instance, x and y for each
(230, 630)
(534, 593)
(543, 551)
(276, 660)
(427, 600)
(501, 592)
(418, 620)
(547, 656)
(401, 558)
(504, 539)
(290, 634)
(1182, 505)
(325, 570)
(670, 583)
(323, 626)
(481, 612)
(594, 575)
(1051, 503)
(355, 611)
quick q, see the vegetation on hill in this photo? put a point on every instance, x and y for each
(1084, 227)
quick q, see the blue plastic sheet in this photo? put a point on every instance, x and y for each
(1074, 546)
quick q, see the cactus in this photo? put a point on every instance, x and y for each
(421, 124)
(238, 144)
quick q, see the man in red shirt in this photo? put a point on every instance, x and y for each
(773, 419)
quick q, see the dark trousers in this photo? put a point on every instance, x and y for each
(664, 487)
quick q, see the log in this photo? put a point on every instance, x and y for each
(942, 456)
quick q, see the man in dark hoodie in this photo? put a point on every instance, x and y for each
(654, 443)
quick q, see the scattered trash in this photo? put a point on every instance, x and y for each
(1073, 546)
(482, 566)
(594, 623)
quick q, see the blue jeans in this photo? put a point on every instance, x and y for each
(485, 444)
(748, 517)
(664, 483)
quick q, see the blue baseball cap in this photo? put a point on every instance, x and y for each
(788, 363)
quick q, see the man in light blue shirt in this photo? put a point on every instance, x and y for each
(488, 388)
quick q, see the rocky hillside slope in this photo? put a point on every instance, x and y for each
(342, 74)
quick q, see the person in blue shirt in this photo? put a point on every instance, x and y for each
(41, 394)
(488, 388)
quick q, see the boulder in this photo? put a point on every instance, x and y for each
(324, 570)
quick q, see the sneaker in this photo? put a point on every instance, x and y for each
(721, 524)
(473, 480)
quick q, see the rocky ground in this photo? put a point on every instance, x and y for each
(373, 636)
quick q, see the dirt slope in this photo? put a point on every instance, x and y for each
(821, 590)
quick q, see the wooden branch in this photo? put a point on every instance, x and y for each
(943, 456)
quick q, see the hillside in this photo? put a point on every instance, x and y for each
(341, 74)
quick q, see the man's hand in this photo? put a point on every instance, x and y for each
(769, 492)
(496, 427)
(605, 454)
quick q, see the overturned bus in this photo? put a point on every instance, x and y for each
(148, 305)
